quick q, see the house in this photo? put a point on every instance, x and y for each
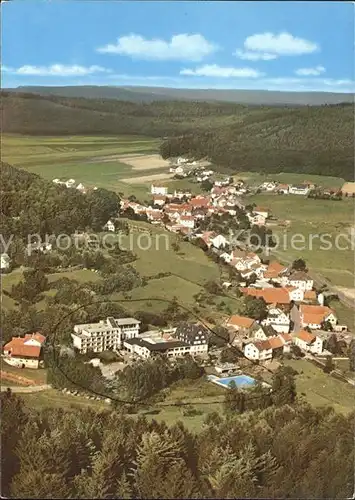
(199, 202)
(159, 200)
(310, 296)
(195, 335)
(213, 239)
(262, 332)
(147, 347)
(110, 226)
(278, 319)
(160, 190)
(275, 270)
(270, 295)
(182, 194)
(258, 350)
(240, 323)
(70, 183)
(24, 352)
(313, 316)
(187, 221)
(104, 335)
(299, 189)
(296, 294)
(5, 262)
(308, 342)
(257, 219)
(154, 216)
(299, 279)
(283, 188)
(264, 212)
(268, 186)
(81, 187)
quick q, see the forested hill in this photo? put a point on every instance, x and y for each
(316, 139)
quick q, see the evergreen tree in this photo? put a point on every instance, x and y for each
(283, 386)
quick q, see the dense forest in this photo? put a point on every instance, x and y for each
(288, 450)
(309, 139)
(32, 205)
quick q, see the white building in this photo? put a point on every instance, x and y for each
(314, 316)
(260, 351)
(160, 190)
(110, 226)
(187, 221)
(186, 339)
(298, 279)
(308, 342)
(301, 189)
(295, 294)
(264, 212)
(107, 334)
(70, 183)
(278, 319)
(5, 262)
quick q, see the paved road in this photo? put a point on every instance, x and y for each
(295, 318)
(27, 389)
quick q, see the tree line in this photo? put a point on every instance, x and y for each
(283, 451)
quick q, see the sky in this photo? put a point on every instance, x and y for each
(285, 45)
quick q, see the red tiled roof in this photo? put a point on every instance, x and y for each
(286, 337)
(274, 270)
(270, 295)
(263, 345)
(310, 295)
(306, 336)
(275, 342)
(18, 348)
(37, 336)
(241, 321)
(199, 202)
(314, 314)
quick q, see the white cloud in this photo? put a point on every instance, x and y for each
(55, 70)
(215, 71)
(318, 70)
(268, 46)
(182, 47)
(254, 56)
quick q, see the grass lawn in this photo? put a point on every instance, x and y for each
(320, 389)
(38, 376)
(313, 219)
(345, 314)
(204, 396)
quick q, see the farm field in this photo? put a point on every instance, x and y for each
(93, 161)
(320, 389)
(314, 218)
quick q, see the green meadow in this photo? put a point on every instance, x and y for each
(314, 219)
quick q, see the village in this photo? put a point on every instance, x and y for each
(297, 322)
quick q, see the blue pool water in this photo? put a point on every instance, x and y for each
(239, 380)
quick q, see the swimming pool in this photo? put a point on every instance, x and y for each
(239, 380)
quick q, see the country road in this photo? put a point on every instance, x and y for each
(26, 389)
